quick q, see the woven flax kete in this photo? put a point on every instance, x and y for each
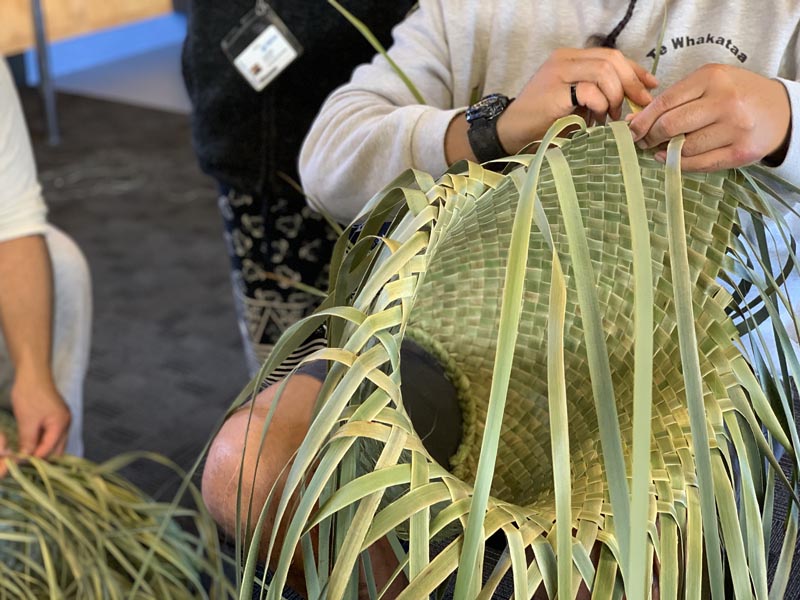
(438, 276)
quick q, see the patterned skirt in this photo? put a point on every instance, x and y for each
(273, 244)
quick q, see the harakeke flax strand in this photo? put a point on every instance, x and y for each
(561, 298)
(73, 529)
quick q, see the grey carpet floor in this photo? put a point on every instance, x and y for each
(166, 357)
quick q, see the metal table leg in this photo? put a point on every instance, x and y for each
(45, 76)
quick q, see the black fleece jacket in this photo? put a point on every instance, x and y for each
(244, 138)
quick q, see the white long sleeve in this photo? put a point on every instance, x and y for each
(22, 208)
(372, 129)
(342, 165)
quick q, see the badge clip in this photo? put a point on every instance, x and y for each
(261, 47)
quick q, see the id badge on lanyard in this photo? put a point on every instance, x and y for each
(261, 46)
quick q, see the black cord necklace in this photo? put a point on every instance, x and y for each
(610, 40)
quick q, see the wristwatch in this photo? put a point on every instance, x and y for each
(482, 133)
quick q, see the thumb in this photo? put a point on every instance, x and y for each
(51, 438)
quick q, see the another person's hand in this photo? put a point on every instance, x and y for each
(731, 117)
(43, 419)
(602, 77)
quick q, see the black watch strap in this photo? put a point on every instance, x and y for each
(484, 141)
(482, 133)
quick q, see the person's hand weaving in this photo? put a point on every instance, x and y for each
(731, 117)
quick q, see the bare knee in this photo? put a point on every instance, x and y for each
(264, 460)
(221, 471)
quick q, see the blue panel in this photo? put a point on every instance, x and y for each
(109, 45)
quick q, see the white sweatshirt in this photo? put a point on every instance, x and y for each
(22, 208)
(372, 129)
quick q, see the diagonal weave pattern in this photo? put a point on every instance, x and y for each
(443, 275)
(458, 308)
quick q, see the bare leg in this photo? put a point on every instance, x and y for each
(287, 430)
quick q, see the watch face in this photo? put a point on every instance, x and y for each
(488, 107)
